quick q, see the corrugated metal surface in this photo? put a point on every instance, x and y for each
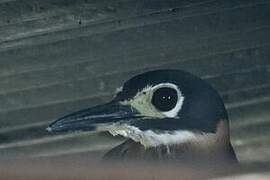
(58, 56)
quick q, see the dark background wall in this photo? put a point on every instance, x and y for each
(58, 56)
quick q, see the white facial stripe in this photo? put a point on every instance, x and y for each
(172, 113)
(150, 138)
(142, 102)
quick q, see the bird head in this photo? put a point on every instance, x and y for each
(159, 107)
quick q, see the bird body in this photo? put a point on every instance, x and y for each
(165, 115)
(211, 149)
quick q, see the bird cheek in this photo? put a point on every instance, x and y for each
(142, 105)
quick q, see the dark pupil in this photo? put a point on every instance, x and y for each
(164, 99)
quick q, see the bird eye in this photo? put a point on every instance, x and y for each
(165, 99)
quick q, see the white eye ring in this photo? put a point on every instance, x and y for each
(174, 112)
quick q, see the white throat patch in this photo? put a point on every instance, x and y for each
(150, 138)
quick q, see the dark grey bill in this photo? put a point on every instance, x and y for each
(88, 119)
